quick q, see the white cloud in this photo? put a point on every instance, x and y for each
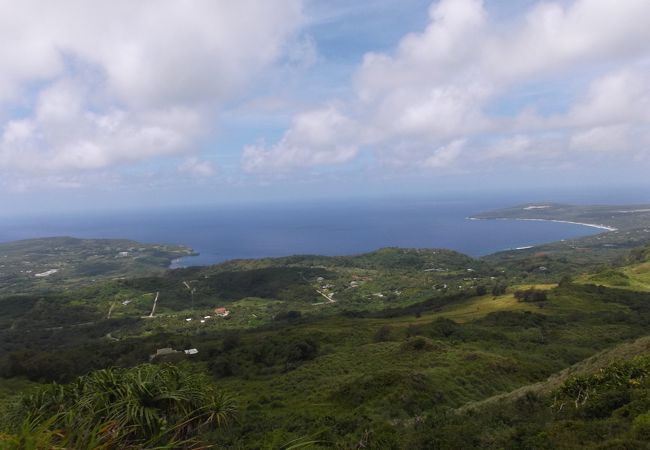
(65, 134)
(86, 85)
(421, 93)
(429, 87)
(439, 87)
(614, 140)
(445, 156)
(554, 36)
(318, 137)
(620, 96)
(104, 83)
(602, 139)
(428, 58)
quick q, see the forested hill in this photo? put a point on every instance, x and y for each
(542, 348)
(56, 262)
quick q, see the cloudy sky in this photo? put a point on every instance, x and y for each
(122, 103)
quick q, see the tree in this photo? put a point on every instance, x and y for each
(531, 295)
(498, 289)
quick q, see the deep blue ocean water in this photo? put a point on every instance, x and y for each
(327, 228)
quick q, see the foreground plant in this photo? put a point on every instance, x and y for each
(148, 406)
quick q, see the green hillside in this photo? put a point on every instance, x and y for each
(398, 348)
(60, 262)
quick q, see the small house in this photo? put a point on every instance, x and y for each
(221, 312)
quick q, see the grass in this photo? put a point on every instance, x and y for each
(479, 307)
(395, 380)
(569, 302)
(11, 386)
(634, 277)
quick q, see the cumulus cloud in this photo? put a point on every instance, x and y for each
(459, 86)
(426, 89)
(553, 36)
(428, 58)
(104, 83)
(619, 96)
(318, 137)
(87, 85)
(64, 133)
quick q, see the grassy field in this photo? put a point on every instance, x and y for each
(634, 277)
(478, 307)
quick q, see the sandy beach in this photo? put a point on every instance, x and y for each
(593, 225)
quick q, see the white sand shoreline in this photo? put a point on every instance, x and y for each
(593, 225)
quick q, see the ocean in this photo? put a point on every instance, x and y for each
(326, 228)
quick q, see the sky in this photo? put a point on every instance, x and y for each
(188, 102)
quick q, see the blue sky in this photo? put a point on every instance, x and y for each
(136, 104)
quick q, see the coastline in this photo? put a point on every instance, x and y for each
(185, 261)
(592, 225)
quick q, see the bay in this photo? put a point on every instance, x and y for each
(220, 233)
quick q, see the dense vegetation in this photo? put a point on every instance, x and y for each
(608, 409)
(62, 262)
(398, 349)
(115, 408)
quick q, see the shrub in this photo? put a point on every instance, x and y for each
(288, 316)
(444, 328)
(418, 343)
(114, 408)
(498, 289)
(641, 426)
(531, 295)
(382, 334)
(302, 350)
